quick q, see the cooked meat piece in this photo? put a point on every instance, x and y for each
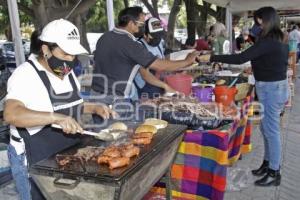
(63, 162)
(88, 153)
(118, 162)
(143, 135)
(130, 152)
(141, 141)
(112, 152)
(103, 159)
(128, 146)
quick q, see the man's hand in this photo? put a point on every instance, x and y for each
(248, 70)
(99, 109)
(191, 57)
(105, 112)
(204, 58)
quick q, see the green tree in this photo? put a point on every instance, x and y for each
(43, 11)
(97, 16)
(4, 19)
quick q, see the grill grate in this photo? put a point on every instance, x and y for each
(92, 170)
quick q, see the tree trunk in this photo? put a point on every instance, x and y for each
(8, 34)
(126, 3)
(79, 21)
(151, 8)
(170, 41)
(41, 17)
(221, 14)
(191, 18)
(202, 19)
(155, 8)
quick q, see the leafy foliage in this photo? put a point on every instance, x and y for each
(97, 18)
(4, 16)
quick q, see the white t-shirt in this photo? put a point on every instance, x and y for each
(26, 86)
(295, 35)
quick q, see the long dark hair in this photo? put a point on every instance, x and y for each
(271, 23)
(36, 44)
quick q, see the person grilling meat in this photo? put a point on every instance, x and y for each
(44, 91)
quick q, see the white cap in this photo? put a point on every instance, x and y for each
(65, 35)
(154, 25)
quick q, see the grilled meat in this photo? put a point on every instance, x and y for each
(140, 141)
(143, 135)
(118, 162)
(130, 152)
(88, 153)
(112, 151)
(103, 159)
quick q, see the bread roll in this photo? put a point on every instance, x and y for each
(146, 128)
(158, 123)
(118, 126)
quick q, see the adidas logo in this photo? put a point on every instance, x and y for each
(73, 35)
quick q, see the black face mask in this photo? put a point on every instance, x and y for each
(154, 41)
(61, 67)
(140, 33)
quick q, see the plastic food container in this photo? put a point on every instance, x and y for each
(203, 94)
(180, 82)
(225, 95)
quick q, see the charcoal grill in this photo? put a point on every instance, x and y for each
(95, 181)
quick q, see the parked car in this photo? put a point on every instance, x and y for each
(7, 53)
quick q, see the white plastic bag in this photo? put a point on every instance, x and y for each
(4, 163)
(238, 178)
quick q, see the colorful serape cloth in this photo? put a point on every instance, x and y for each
(200, 168)
(199, 171)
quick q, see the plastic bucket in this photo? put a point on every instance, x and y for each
(203, 94)
(180, 82)
(225, 95)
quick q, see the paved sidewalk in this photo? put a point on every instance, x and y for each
(290, 184)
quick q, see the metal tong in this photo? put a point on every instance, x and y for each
(102, 135)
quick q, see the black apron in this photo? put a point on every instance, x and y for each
(49, 141)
